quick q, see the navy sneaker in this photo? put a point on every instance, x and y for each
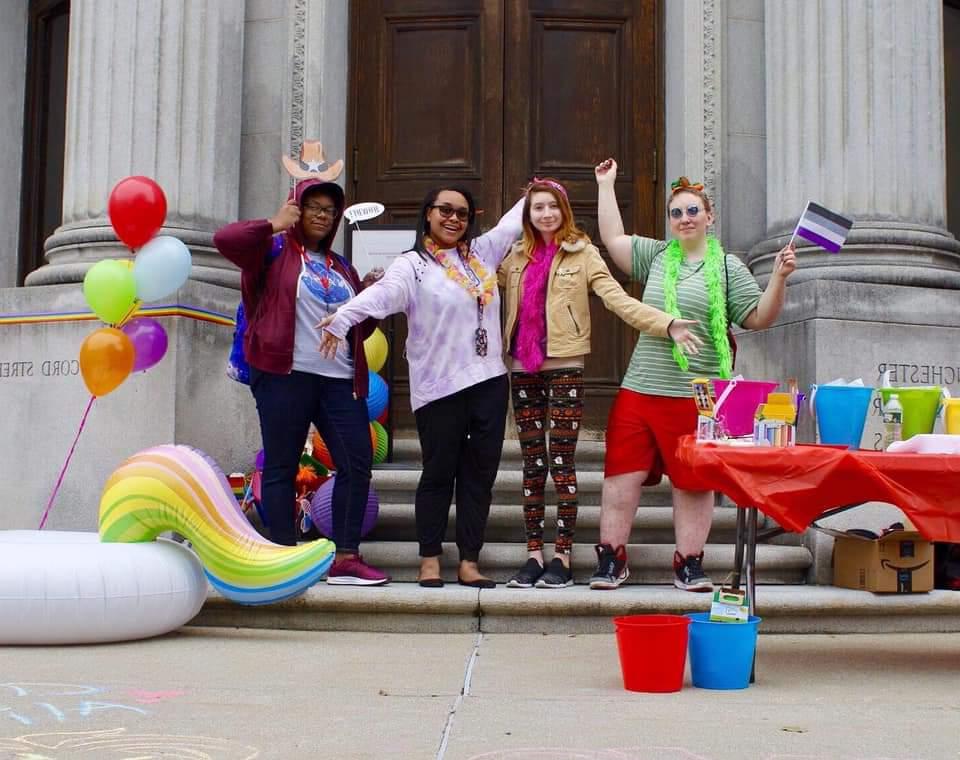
(612, 567)
(688, 573)
(557, 575)
(527, 575)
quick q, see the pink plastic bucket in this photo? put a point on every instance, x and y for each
(738, 410)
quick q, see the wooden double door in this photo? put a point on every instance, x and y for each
(487, 94)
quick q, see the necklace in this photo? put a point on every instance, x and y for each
(480, 283)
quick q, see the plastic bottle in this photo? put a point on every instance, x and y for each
(892, 421)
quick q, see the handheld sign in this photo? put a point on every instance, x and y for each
(360, 212)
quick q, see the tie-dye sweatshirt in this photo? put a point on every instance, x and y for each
(441, 316)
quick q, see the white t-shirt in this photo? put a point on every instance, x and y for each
(322, 290)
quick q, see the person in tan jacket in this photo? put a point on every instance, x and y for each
(547, 279)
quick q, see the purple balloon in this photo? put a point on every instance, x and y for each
(149, 342)
(321, 510)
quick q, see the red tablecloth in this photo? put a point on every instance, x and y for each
(796, 485)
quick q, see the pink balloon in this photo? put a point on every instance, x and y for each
(149, 342)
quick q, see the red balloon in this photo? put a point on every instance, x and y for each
(137, 209)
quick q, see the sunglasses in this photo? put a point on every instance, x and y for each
(692, 212)
(329, 211)
(446, 211)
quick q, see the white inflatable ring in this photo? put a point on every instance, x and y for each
(68, 588)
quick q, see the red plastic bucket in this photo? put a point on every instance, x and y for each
(653, 651)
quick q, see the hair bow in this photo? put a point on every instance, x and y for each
(684, 184)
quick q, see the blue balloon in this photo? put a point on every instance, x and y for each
(376, 396)
(162, 266)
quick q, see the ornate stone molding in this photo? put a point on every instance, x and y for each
(315, 100)
(295, 104)
(694, 102)
(712, 121)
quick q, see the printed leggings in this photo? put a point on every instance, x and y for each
(559, 392)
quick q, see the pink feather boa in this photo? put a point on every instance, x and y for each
(530, 348)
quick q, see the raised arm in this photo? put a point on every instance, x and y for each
(493, 246)
(771, 302)
(246, 244)
(617, 243)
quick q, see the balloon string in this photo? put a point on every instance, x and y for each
(66, 464)
(126, 317)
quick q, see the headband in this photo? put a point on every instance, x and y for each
(551, 183)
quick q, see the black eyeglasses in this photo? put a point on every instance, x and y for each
(446, 211)
(328, 211)
(692, 212)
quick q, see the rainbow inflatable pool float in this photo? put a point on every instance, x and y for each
(178, 488)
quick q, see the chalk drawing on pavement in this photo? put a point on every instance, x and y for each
(117, 744)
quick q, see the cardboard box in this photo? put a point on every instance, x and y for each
(901, 562)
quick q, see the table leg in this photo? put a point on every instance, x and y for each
(751, 573)
(739, 550)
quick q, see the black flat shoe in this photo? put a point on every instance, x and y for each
(431, 583)
(478, 583)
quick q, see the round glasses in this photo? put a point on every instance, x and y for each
(693, 211)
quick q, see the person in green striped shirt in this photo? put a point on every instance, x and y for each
(690, 277)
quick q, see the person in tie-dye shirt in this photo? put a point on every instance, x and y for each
(447, 287)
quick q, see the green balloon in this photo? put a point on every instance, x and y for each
(110, 290)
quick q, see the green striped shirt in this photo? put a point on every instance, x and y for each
(653, 369)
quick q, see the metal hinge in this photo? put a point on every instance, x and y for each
(656, 165)
(353, 168)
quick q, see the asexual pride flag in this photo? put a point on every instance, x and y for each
(822, 227)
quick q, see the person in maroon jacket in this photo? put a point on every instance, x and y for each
(284, 296)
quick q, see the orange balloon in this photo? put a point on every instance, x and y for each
(106, 358)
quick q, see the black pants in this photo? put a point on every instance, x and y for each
(287, 404)
(461, 437)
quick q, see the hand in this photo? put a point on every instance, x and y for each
(786, 262)
(287, 216)
(680, 334)
(606, 172)
(329, 343)
(372, 276)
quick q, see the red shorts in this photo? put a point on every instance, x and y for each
(642, 434)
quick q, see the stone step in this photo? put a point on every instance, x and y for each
(649, 563)
(407, 608)
(653, 525)
(397, 485)
(589, 453)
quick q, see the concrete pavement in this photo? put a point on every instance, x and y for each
(240, 694)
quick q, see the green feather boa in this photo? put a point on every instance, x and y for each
(713, 272)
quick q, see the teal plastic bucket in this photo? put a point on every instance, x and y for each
(721, 654)
(841, 412)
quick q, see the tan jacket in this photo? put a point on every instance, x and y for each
(577, 269)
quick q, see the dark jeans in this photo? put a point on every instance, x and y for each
(287, 404)
(461, 437)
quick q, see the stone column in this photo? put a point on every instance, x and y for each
(155, 89)
(855, 122)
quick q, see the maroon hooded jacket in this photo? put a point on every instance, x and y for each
(269, 289)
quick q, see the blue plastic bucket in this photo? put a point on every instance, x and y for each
(721, 654)
(841, 412)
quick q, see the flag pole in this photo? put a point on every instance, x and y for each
(797, 227)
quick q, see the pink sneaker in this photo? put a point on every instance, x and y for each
(353, 571)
